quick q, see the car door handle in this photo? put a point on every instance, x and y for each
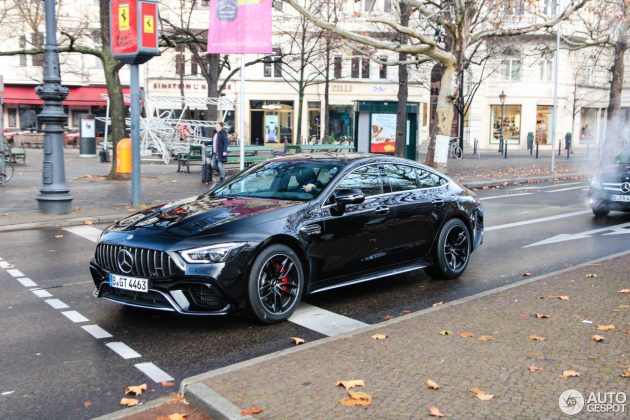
(382, 210)
(311, 230)
(438, 202)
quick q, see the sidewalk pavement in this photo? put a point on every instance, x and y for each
(98, 200)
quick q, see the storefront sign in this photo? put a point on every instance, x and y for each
(271, 128)
(383, 133)
(340, 88)
(240, 27)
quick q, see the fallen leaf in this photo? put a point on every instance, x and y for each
(350, 384)
(591, 276)
(527, 274)
(480, 394)
(379, 336)
(537, 338)
(438, 303)
(58, 236)
(624, 306)
(569, 374)
(297, 340)
(608, 327)
(533, 368)
(466, 334)
(445, 332)
(356, 398)
(177, 416)
(626, 374)
(250, 411)
(386, 317)
(174, 181)
(563, 297)
(167, 384)
(88, 222)
(135, 390)
(541, 315)
(87, 404)
(406, 311)
(435, 412)
(535, 355)
(129, 402)
(432, 385)
(624, 291)
(486, 338)
(597, 338)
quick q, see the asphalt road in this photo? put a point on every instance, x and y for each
(56, 363)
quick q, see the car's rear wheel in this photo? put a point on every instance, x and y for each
(600, 211)
(276, 283)
(452, 251)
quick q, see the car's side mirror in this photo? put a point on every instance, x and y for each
(344, 197)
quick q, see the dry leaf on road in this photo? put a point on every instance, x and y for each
(87, 404)
(135, 390)
(297, 340)
(445, 332)
(564, 297)
(435, 412)
(58, 236)
(537, 338)
(406, 311)
(591, 276)
(624, 291)
(527, 274)
(167, 383)
(597, 338)
(250, 411)
(432, 385)
(357, 398)
(177, 416)
(481, 394)
(351, 383)
(388, 317)
(438, 303)
(540, 315)
(129, 402)
(626, 374)
(607, 327)
(534, 368)
(486, 338)
(466, 334)
(379, 336)
(570, 374)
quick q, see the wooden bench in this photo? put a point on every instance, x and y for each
(310, 148)
(14, 153)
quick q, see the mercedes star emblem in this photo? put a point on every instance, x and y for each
(625, 187)
(130, 237)
(125, 261)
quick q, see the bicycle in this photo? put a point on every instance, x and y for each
(454, 150)
(8, 170)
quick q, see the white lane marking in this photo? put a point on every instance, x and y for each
(539, 220)
(155, 373)
(26, 282)
(15, 273)
(96, 331)
(5, 264)
(565, 189)
(621, 229)
(535, 187)
(492, 197)
(75, 316)
(56, 304)
(88, 232)
(7, 393)
(123, 350)
(41, 293)
(323, 321)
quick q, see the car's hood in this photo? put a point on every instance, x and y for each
(615, 173)
(203, 214)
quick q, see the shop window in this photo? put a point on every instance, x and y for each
(76, 116)
(37, 39)
(543, 117)
(382, 70)
(337, 63)
(511, 65)
(425, 114)
(546, 70)
(12, 117)
(340, 122)
(509, 126)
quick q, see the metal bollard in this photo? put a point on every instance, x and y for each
(559, 147)
(505, 147)
(536, 150)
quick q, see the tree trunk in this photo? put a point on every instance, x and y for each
(444, 111)
(403, 91)
(213, 85)
(326, 122)
(298, 139)
(613, 139)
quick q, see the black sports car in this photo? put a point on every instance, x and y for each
(291, 225)
(610, 189)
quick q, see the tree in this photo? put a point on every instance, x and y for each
(465, 24)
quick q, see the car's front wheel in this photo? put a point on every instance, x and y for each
(452, 251)
(276, 283)
(600, 211)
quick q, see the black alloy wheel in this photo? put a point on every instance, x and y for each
(276, 283)
(452, 251)
(600, 211)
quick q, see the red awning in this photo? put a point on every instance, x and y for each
(78, 95)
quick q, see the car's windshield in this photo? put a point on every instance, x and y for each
(624, 157)
(300, 180)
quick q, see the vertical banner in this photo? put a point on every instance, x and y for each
(240, 27)
(383, 138)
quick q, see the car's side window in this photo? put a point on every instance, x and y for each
(427, 179)
(367, 179)
(401, 177)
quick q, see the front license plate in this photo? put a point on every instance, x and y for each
(617, 197)
(129, 283)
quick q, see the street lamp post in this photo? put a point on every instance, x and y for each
(54, 196)
(501, 142)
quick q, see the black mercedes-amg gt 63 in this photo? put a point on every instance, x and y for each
(610, 189)
(292, 225)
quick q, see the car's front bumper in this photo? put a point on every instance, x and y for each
(605, 198)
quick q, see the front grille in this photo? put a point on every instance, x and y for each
(612, 186)
(147, 263)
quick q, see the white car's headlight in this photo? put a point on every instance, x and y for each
(212, 254)
(596, 183)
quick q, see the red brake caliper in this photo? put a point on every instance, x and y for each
(282, 279)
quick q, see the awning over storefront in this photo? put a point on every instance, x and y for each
(78, 95)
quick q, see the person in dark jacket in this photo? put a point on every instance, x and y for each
(219, 151)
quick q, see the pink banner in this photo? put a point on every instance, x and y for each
(240, 27)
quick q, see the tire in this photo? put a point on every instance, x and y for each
(600, 211)
(457, 152)
(275, 284)
(452, 251)
(8, 173)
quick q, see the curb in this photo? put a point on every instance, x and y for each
(126, 412)
(205, 398)
(517, 181)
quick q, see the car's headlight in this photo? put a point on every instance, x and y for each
(212, 254)
(596, 183)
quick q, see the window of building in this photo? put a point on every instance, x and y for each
(543, 117)
(22, 47)
(277, 4)
(12, 117)
(365, 68)
(509, 126)
(337, 63)
(367, 179)
(180, 60)
(546, 70)
(387, 6)
(75, 114)
(273, 64)
(368, 5)
(514, 7)
(511, 65)
(356, 62)
(37, 39)
(382, 69)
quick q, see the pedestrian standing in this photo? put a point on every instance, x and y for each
(219, 150)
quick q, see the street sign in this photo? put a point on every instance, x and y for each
(133, 30)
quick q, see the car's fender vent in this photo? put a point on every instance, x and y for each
(206, 298)
(137, 262)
